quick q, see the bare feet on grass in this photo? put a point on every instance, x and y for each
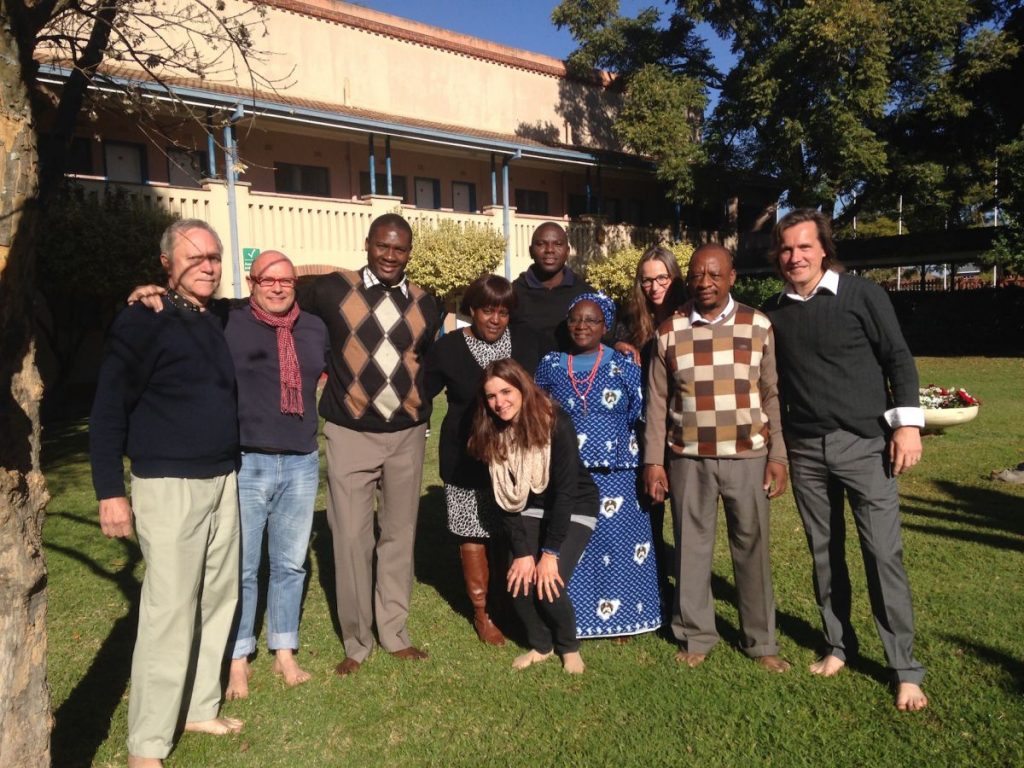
(238, 679)
(910, 697)
(573, 663)
(144, 762)
(530, 658)
(827, 666)
(219, 726)
(286, 666)
(692, 660)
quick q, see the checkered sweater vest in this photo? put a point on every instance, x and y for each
(713, 389)
(378, 340)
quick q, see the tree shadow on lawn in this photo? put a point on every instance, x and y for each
(995, 512)
(82, 722)
(1012, 667)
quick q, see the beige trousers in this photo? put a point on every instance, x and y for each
(188, 532)
(359, 464)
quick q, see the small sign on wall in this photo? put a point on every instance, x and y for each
(248, 257)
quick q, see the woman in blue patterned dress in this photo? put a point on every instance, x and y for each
(615, 586)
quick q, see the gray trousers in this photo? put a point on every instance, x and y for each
(696, 485)
(823, 471)
(359, 464)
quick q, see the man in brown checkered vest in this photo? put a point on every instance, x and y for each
(713, 413)
(380, 326)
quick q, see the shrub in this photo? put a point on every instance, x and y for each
(755, 291)
(615, 273)
(449, 257)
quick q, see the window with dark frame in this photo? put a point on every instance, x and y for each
(295, 179)
(398, 188)
(532, 201)
(124, 161)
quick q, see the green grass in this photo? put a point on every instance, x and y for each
(964, 541)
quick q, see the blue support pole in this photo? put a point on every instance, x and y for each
(387, 162)
(230, 158)
(506, 218)
(589, 190)
(494, 182)
(373, 169)
(211, 146)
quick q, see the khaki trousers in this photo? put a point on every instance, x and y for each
(359, 464)
(188, 532)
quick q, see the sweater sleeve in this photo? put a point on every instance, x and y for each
(891, 348)
(124, 371)
(656, 407)
(768, 386)
(434, 378)
(516, 534)
(563, 482)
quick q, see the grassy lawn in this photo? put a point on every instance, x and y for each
(964, 542)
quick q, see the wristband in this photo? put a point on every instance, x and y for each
(552, 552)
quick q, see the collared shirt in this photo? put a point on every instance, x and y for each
(568, 278)
(829, 282)
(906, 416)
(696, 317)
(370, 280)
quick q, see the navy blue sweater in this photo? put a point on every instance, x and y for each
(842, 360)
(165, 398)
(253, 347)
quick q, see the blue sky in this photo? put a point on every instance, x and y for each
(519, 23)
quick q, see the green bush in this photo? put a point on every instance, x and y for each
(615, 273)
(755, 291)
(449, 257)
(99, 248)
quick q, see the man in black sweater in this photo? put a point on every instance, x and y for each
(166, 398)
(545, 290)
(851, 418)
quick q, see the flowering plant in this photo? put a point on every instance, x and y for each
(941, 397)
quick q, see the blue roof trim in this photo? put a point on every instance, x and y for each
(267, 108)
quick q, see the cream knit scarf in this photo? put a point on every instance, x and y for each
(519, 474)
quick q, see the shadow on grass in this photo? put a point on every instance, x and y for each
(995, 512)
(82, 722)
(1011, 666)
(322, 550)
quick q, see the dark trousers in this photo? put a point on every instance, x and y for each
(552, 624)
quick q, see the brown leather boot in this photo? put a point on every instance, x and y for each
(474, 569)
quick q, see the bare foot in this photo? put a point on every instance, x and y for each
(219, 726)
(529, 658)
(286, 666)
(773, 663)
(238, 679)
(144, 762)
(910, 697)
(573, 663)
(827, 666)
(692, 660)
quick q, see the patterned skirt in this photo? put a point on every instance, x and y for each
(615, 586)
(471, 513)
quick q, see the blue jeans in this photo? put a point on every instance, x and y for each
(276, 493)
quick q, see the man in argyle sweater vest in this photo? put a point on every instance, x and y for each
(713, 413)
(380, 326)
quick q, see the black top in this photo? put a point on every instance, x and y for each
(571, 492)
(541, 311)
(253, 346)
(842, 360)
(451, 366)
(165, 397)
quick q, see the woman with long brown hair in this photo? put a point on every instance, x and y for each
(455, 363)
(549, 502)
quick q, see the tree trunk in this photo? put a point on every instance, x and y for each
(24, 695)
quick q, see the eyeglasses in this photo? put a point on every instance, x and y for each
(661, 280)
(268, 282)
(590, 322)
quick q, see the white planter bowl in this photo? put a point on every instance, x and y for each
(940, 418)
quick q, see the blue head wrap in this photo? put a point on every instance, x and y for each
(604, 303)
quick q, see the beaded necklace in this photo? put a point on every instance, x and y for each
(589, 380)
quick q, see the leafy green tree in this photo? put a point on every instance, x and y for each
(615, 273)
(450, 256)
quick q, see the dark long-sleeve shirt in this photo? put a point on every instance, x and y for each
(165, 398)
(571, 492)
(842, 360)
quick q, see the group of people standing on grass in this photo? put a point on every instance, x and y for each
(567, 430)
